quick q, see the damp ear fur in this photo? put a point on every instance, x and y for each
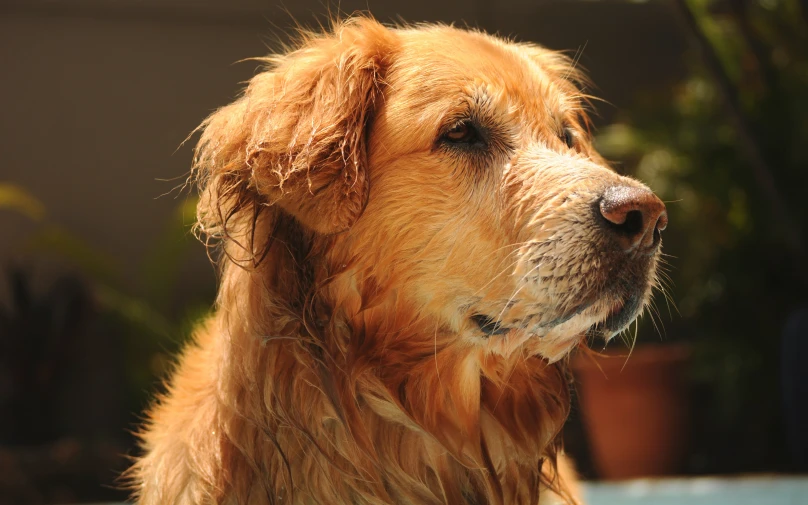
(297, 137)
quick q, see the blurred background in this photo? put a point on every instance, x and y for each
(101, 280)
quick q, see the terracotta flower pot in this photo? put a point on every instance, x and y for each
(635, 410)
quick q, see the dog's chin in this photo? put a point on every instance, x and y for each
(621, 314)
(555, 339)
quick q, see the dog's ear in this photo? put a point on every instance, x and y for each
(297, 137)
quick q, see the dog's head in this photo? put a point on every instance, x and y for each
(430, 201)
(450, 167)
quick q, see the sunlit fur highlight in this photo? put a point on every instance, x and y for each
(340, 365)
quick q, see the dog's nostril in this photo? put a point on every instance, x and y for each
(662, 221)
(635, 216)
(632, 224)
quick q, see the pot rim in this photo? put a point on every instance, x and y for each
(641, 355)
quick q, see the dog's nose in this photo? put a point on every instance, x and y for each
(635, 215)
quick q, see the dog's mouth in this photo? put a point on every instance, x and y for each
(621, 313)
(489, 326)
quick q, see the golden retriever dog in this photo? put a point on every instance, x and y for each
(415, 231)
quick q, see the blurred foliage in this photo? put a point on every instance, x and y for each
(38, 333)
(733, 272)
(16, 198)
(138, 305)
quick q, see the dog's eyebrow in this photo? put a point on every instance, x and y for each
(481, 96)
(477, 104)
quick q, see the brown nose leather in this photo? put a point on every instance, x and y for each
(635, 215)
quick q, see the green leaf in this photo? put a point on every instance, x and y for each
(95, 263)
(17, 199)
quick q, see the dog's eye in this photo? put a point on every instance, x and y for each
(462, 133)
(568, 137)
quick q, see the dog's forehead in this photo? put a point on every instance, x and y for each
(437, 66)
(463, 53)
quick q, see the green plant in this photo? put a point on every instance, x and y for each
(144, 315)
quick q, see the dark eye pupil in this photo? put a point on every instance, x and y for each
(568, 137)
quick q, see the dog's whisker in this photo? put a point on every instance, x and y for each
(497, 276)
(521, 284)
(653, 311)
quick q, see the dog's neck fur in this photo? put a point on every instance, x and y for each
(342, 394)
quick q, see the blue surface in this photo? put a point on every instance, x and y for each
(752, 490)
(758, 490)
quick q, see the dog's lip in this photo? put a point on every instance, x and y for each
(617, 307)
(489, 326)
(621, 314)
(622, 311)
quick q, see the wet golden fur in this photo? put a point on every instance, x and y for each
(340, 364)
